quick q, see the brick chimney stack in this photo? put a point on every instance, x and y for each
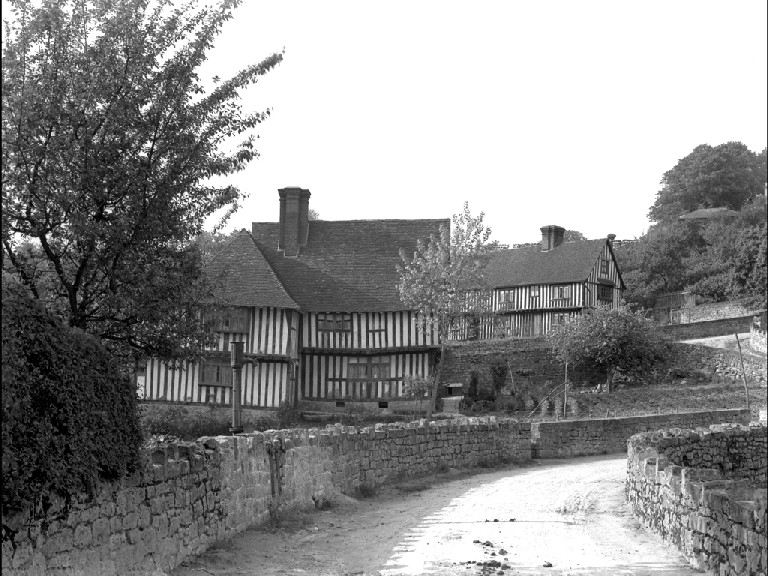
(551, 237)
(294, 220)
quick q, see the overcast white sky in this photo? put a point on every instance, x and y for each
(536, 112)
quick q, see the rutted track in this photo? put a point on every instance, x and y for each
(569, 513)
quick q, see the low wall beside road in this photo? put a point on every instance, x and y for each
(567, 438)
(704, 491)
(192, 494)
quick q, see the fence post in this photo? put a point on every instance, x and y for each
(743, 374)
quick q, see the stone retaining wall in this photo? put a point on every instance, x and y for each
(567, 438)
(706, 329)
(713, 311)
(192, 494)
(705, 492)
(529, 359)
(692, 360)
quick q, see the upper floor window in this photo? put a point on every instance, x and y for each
(334, 323)
(229, 319)
(603, 267)
(561, 292)
(534, 296)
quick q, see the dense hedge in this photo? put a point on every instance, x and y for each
(69, 417)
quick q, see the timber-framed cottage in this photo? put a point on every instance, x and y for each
(317, 305)
(537, 286)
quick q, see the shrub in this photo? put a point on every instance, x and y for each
(70, 417)
(190, 424)
(287, 416)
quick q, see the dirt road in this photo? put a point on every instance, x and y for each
(567, 513)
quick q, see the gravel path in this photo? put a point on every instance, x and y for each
(566, 513)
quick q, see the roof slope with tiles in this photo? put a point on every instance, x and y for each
(244, 277)
(569, 262)
(346, 266)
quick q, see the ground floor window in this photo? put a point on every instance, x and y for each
(371, 368)
(216, 372)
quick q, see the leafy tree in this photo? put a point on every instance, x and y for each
(444, 279)
(726, 175)
(416, 387)
(656, 263)
(750, 271)
(109, 142)
(614, 339)
(573, 236)
(313, 215)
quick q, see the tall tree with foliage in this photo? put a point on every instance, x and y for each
(615, 339)
(728, 175)
(109, 142)
(444, 279)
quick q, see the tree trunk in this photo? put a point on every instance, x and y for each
(609, 380)
(435, 382)
(565, 393)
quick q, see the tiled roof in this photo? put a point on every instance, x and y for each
(244, 276)
(569, 262)
(346, 266)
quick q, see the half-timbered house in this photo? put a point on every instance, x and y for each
(535, 287)
(317, 305)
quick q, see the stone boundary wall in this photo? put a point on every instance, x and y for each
(689, 360)
(716, 515)
(568, 438)
(705, 329)
(529, 360)
(190, 495)
(713, 311)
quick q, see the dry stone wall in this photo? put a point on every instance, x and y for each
(189, 495)
(567, 438)
(690, 360)
(706, 329)
(713, 311)
(704, 491)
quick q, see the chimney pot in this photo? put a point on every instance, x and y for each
(294, 220)
(611, 238)
(551, 237)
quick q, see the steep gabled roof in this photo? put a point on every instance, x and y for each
(346, 266)
(569, 262)
(244, 277)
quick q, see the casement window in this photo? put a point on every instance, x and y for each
(534, 296)
(334, 323)
(230, 319)
(216, 372)
(372, 368)
(605, 292)
(603, 267)
(559, 319)
(561, 292)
